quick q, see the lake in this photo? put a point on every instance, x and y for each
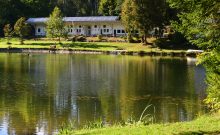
(41, 92)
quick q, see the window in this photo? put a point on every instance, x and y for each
(118, 31)
(123, 31)
(80, 26)
(107, 30)
(95, 26)
(104, 30)
(38, 30)
(104, 26)
(71, 30)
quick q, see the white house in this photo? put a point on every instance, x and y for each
(88, 26)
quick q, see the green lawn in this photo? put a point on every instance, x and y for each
(96, 46)
(209, 125)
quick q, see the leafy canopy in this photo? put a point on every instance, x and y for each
(55, 24)
(199, 21)
(22, 29)
(143, 15)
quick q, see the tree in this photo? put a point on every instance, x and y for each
(199, 21)
(143, 15)
(127, 17)
(8, 32)
(55, 25)
(22, 29)
(107, 7)
(148, 15)
(118, 7)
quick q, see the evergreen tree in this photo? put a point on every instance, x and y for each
(199, 21)
(148, 15)
(55, 25)
(8, 32)
(22, 29)
(107, 7)
(118, 7)
(128, 17)
(143, 15)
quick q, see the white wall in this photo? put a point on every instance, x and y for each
(75, 29)
(40, 30)
(120, 30)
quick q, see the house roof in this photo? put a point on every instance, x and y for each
(78, 19)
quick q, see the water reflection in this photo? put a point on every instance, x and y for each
(40, 92)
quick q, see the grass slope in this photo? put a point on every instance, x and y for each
(93, 46)
(209, 125)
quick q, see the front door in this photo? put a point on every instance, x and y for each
(89, 31)
(115, 33)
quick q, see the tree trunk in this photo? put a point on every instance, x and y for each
(144, 39)
(59, 40)
(21, 40)
(8, 40)
(129, 38)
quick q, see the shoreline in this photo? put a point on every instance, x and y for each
(173, 53)
(206, 124)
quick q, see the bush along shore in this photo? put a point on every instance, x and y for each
(118, 48)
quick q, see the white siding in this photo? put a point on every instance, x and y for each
(119, 28)
(87, 28)
(40, 30)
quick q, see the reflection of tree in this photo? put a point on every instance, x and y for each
(24, 92)
(46, 90)
(166, 82)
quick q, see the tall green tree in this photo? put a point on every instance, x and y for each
(55, 25)
(199, 21)
(128, 17)
(149, 14)
(8, 31)
(146, 14)
(118, 7)
(107, 7)
(22, 29)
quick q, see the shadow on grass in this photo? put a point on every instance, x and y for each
(88, 45)
(42, 44)
(73, 45)
(200, 133)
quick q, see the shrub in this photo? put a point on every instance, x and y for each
(100, 38)
(162, 43)
(80, 38)
(174, 41)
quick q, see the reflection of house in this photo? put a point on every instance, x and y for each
(88, 26)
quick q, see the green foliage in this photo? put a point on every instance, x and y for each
(55, 25)
(128, 18)
(199, 21)
(94, 125)
(8, 32)
(143, 16)
(100, 38)
(174, 41)
(22, 29)
(107, 7)
(211, 60)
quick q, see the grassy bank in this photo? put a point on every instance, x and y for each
(89, 46)
(209, 125)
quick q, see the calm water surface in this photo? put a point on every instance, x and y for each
(39, 93)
